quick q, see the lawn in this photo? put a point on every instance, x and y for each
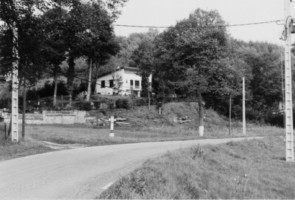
(78, 134)
(88, 136)
(143, 126)
(253, 169)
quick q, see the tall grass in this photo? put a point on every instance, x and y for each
(244, 170)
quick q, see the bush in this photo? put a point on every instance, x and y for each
(97, 104)
(140, 102)
(275, 119)
(84, 106)
(124, 103)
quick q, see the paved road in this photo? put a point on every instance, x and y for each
(79, 173)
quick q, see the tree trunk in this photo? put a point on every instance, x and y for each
(71, 73)
(55, 89)
(89, 81)
(24, 111)
(201, 115)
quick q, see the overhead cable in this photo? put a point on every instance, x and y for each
(207, 26)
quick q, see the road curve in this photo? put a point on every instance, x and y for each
(80, 173)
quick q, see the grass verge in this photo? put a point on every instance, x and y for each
(65, 134)
(9, 150)
(144, 126)
(94, 137)
(243, 170)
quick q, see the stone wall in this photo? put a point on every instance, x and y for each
(52, 117)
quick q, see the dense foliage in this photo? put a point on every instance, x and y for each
(195, 59)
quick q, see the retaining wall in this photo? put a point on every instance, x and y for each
(52, 117)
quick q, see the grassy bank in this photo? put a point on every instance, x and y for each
(249, 169)
(87, 136)
(144, 126)
(147, 125)
(94, 137)
(9, 150)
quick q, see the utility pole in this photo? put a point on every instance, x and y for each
(14, 100)
(288, 85)
(244, 108)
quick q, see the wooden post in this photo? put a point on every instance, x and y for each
(149, 100)
(230, 101)
(24, 111)
(112, 121)
(55, 89)
(5, 131)
(89, 81)
(244, 108)
(9, 128)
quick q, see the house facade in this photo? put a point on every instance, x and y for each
(124, 81)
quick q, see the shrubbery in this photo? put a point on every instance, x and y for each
(140, 102)
(85, 106)
(124, 103)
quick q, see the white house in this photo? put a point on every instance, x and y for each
(124, 81)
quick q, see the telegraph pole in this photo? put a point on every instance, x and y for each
(244, 108)
(14, 99)
(288, 85)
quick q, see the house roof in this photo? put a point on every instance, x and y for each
(133, 69)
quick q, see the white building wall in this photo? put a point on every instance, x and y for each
(106, 90)
(124, 76)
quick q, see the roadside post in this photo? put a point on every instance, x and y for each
(5, 131)
(112, 121)
(289, 29)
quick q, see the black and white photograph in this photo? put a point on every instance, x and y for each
(147, 99)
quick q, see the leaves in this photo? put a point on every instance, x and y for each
(189, 53)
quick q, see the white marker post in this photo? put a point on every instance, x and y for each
(112, 121)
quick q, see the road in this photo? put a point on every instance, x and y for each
(80, 173)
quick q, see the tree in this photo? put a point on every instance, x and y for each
(143, 58)
(97, 41)
(30, 61)
(54, 45)
(18, 17)
(189, 56)
(263, 64)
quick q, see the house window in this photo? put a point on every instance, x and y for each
(111, 83)
(103, 84)
(131, 83)
(136, 84)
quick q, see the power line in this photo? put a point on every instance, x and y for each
(208, 26)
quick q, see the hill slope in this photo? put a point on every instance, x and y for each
(178, 117)
(243, 170)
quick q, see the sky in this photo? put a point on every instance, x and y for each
(169, 12)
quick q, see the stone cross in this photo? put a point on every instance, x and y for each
(112, 121)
